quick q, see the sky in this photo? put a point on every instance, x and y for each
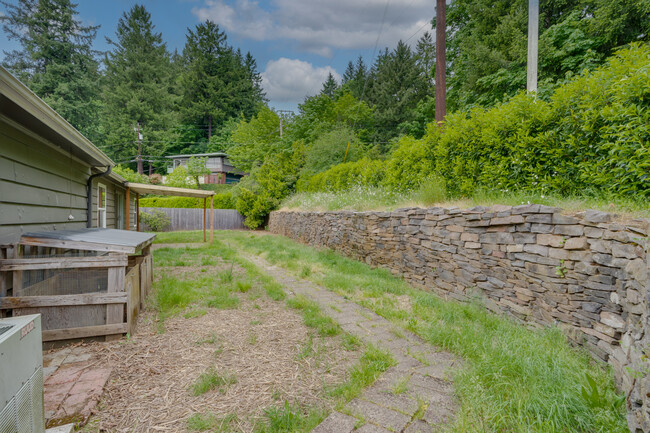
(296, 43)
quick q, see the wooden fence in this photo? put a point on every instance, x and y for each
(192, 219)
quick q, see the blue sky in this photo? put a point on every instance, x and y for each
(296, 42)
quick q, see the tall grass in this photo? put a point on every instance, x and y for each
(514, 379)
(432, 192)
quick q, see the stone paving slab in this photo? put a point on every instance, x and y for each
(422, 374)
(336, 422)
(73, 385)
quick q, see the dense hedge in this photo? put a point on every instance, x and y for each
(593, 134)
(220, 201)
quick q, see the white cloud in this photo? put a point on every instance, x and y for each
(320, 26)
(290, 80)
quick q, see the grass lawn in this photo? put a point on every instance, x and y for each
(514, 379)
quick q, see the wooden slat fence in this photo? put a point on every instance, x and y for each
(192, 219)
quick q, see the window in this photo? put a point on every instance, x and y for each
(101, 206)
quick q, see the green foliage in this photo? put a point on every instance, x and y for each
(180, 178)
(210, 380)
(130, 175)
(344, 176)
(216, 82)
(512, 379)
(196, 168)
(290, 418)
(220, 201)
(255, 139)
(156, 220)
(487, 43)
(267, 185)
(331, 149)
(314, 318)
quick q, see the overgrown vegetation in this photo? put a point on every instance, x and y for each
(514, 379)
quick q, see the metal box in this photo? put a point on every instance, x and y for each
(21, 375)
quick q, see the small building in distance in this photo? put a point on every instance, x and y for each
(221, 169)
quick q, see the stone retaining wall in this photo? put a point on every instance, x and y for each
(585, 273)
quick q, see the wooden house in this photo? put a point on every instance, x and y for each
(62, 251)
(221, 170)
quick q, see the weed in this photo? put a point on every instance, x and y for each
(211, 339)
(252, 338)
(201, 422)
(222, 300)
(243, 286)
(372, 363)
(513, 378)
(197, 312)
(313, 316)
(305, 272)
(290, 418)
(351, 342)
(211, 379)
(423, 405)
(307, 350)
(401, 386)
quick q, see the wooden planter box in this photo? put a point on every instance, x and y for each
(84, 283)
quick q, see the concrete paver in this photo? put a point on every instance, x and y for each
(336, 422)
(422, 373)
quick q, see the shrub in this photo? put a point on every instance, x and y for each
(343, 176)
(157, 220)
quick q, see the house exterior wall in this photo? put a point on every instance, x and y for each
(41, 186)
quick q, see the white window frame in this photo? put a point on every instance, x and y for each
(101, 210)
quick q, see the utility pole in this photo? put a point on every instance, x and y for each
(441, 60)
(280, 114)
(533, 36)
(137, 131)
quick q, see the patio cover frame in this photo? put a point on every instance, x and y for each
(143, 188)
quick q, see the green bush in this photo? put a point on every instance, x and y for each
(220, 201)
(343, 176)
(157, 220)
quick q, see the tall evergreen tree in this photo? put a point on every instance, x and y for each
(217, 82)
(329, 86)
(348, 75)
(138, 88)
(425, 56)
(56, 59)
(398, 84)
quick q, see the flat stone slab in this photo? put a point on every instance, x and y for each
(371, 428)
(378, 415)
(336, 422)
(419, 426)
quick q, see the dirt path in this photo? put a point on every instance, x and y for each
(414, 396)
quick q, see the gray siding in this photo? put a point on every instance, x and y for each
(41, 186)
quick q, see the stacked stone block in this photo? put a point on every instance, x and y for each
(585, 273)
